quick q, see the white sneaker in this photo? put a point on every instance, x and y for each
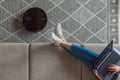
(58, 31)
(56, 40)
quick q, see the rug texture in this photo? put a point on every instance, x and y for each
(83, 21)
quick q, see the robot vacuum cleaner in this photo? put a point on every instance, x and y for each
(34, 19)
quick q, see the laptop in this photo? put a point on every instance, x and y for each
(107, 57)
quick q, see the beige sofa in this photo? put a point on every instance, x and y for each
(19, 61)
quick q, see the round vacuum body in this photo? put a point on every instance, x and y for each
(34, 19)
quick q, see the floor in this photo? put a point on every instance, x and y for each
(119, 23)
(83, 21)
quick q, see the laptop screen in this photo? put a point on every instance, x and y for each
(103, 54)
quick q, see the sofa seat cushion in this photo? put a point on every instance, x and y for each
(13, 61)
(50, 63)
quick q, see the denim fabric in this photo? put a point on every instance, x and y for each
(87, 56)
(84, 54)
(116, 76)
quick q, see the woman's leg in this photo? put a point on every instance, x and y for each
(82, 53)
(86, 55)
(65, 45)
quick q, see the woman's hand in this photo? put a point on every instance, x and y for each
(114, 68)
(95, 72)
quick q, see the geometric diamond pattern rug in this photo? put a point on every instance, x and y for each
(83, 21)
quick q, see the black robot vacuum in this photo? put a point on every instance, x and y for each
(34, 19)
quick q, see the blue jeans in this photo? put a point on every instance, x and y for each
(85, 55)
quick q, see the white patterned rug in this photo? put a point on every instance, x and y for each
(83, 21)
